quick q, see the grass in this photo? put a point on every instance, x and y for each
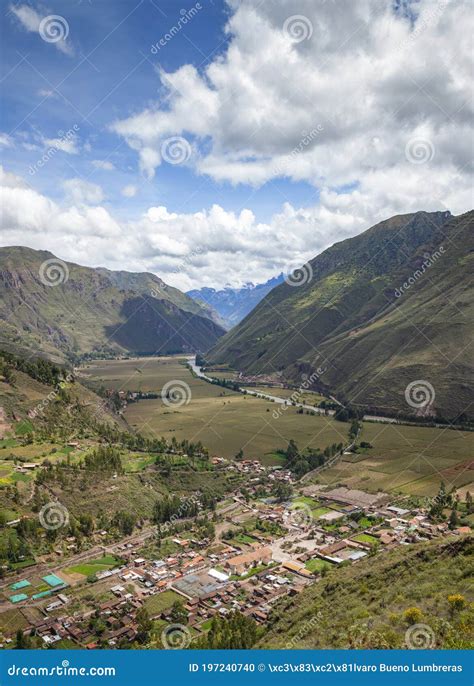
(365, 538)
(94, 566)
(407, 459)
(363, 605)
(224, 421)
(319, 511)
(156, 604)
(316, 565)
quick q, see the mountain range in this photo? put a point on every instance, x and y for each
(63, 310)
(375, 318)
(231, 305)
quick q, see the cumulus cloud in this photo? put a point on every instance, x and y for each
(365, 85)
(213, 247)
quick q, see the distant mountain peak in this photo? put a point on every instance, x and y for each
(230, 304)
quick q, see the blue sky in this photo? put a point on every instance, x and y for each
(297, 123)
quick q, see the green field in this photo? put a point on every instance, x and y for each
(408, 459)
(317, 565)
(224, 421)
(160, 602)
(365, 538)
(93, 566)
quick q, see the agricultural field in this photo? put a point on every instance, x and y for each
(146, 374)
(305, 397)
(224, 421)
(234, 421)
(93, 566)
(160, 602)
(407, 459)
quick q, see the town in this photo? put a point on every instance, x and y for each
(268, 540)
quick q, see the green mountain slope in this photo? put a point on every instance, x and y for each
(372, 337)
(364, 606)
(93, 310)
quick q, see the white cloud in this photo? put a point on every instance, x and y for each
(105, 165)
(367, 82)
(5, 140)
(212, 247)
(65, 144)
(83, 192)
(54, 27)
(129, 191)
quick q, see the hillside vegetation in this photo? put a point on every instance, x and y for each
(368, 335)
(69, 311)
(374, 603)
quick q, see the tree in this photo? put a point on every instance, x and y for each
(178, 614)
(282, 491)
(22, 641)
(453, 519)
(240, 455)
(144, 625)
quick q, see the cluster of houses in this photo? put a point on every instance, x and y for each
(247, 571)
